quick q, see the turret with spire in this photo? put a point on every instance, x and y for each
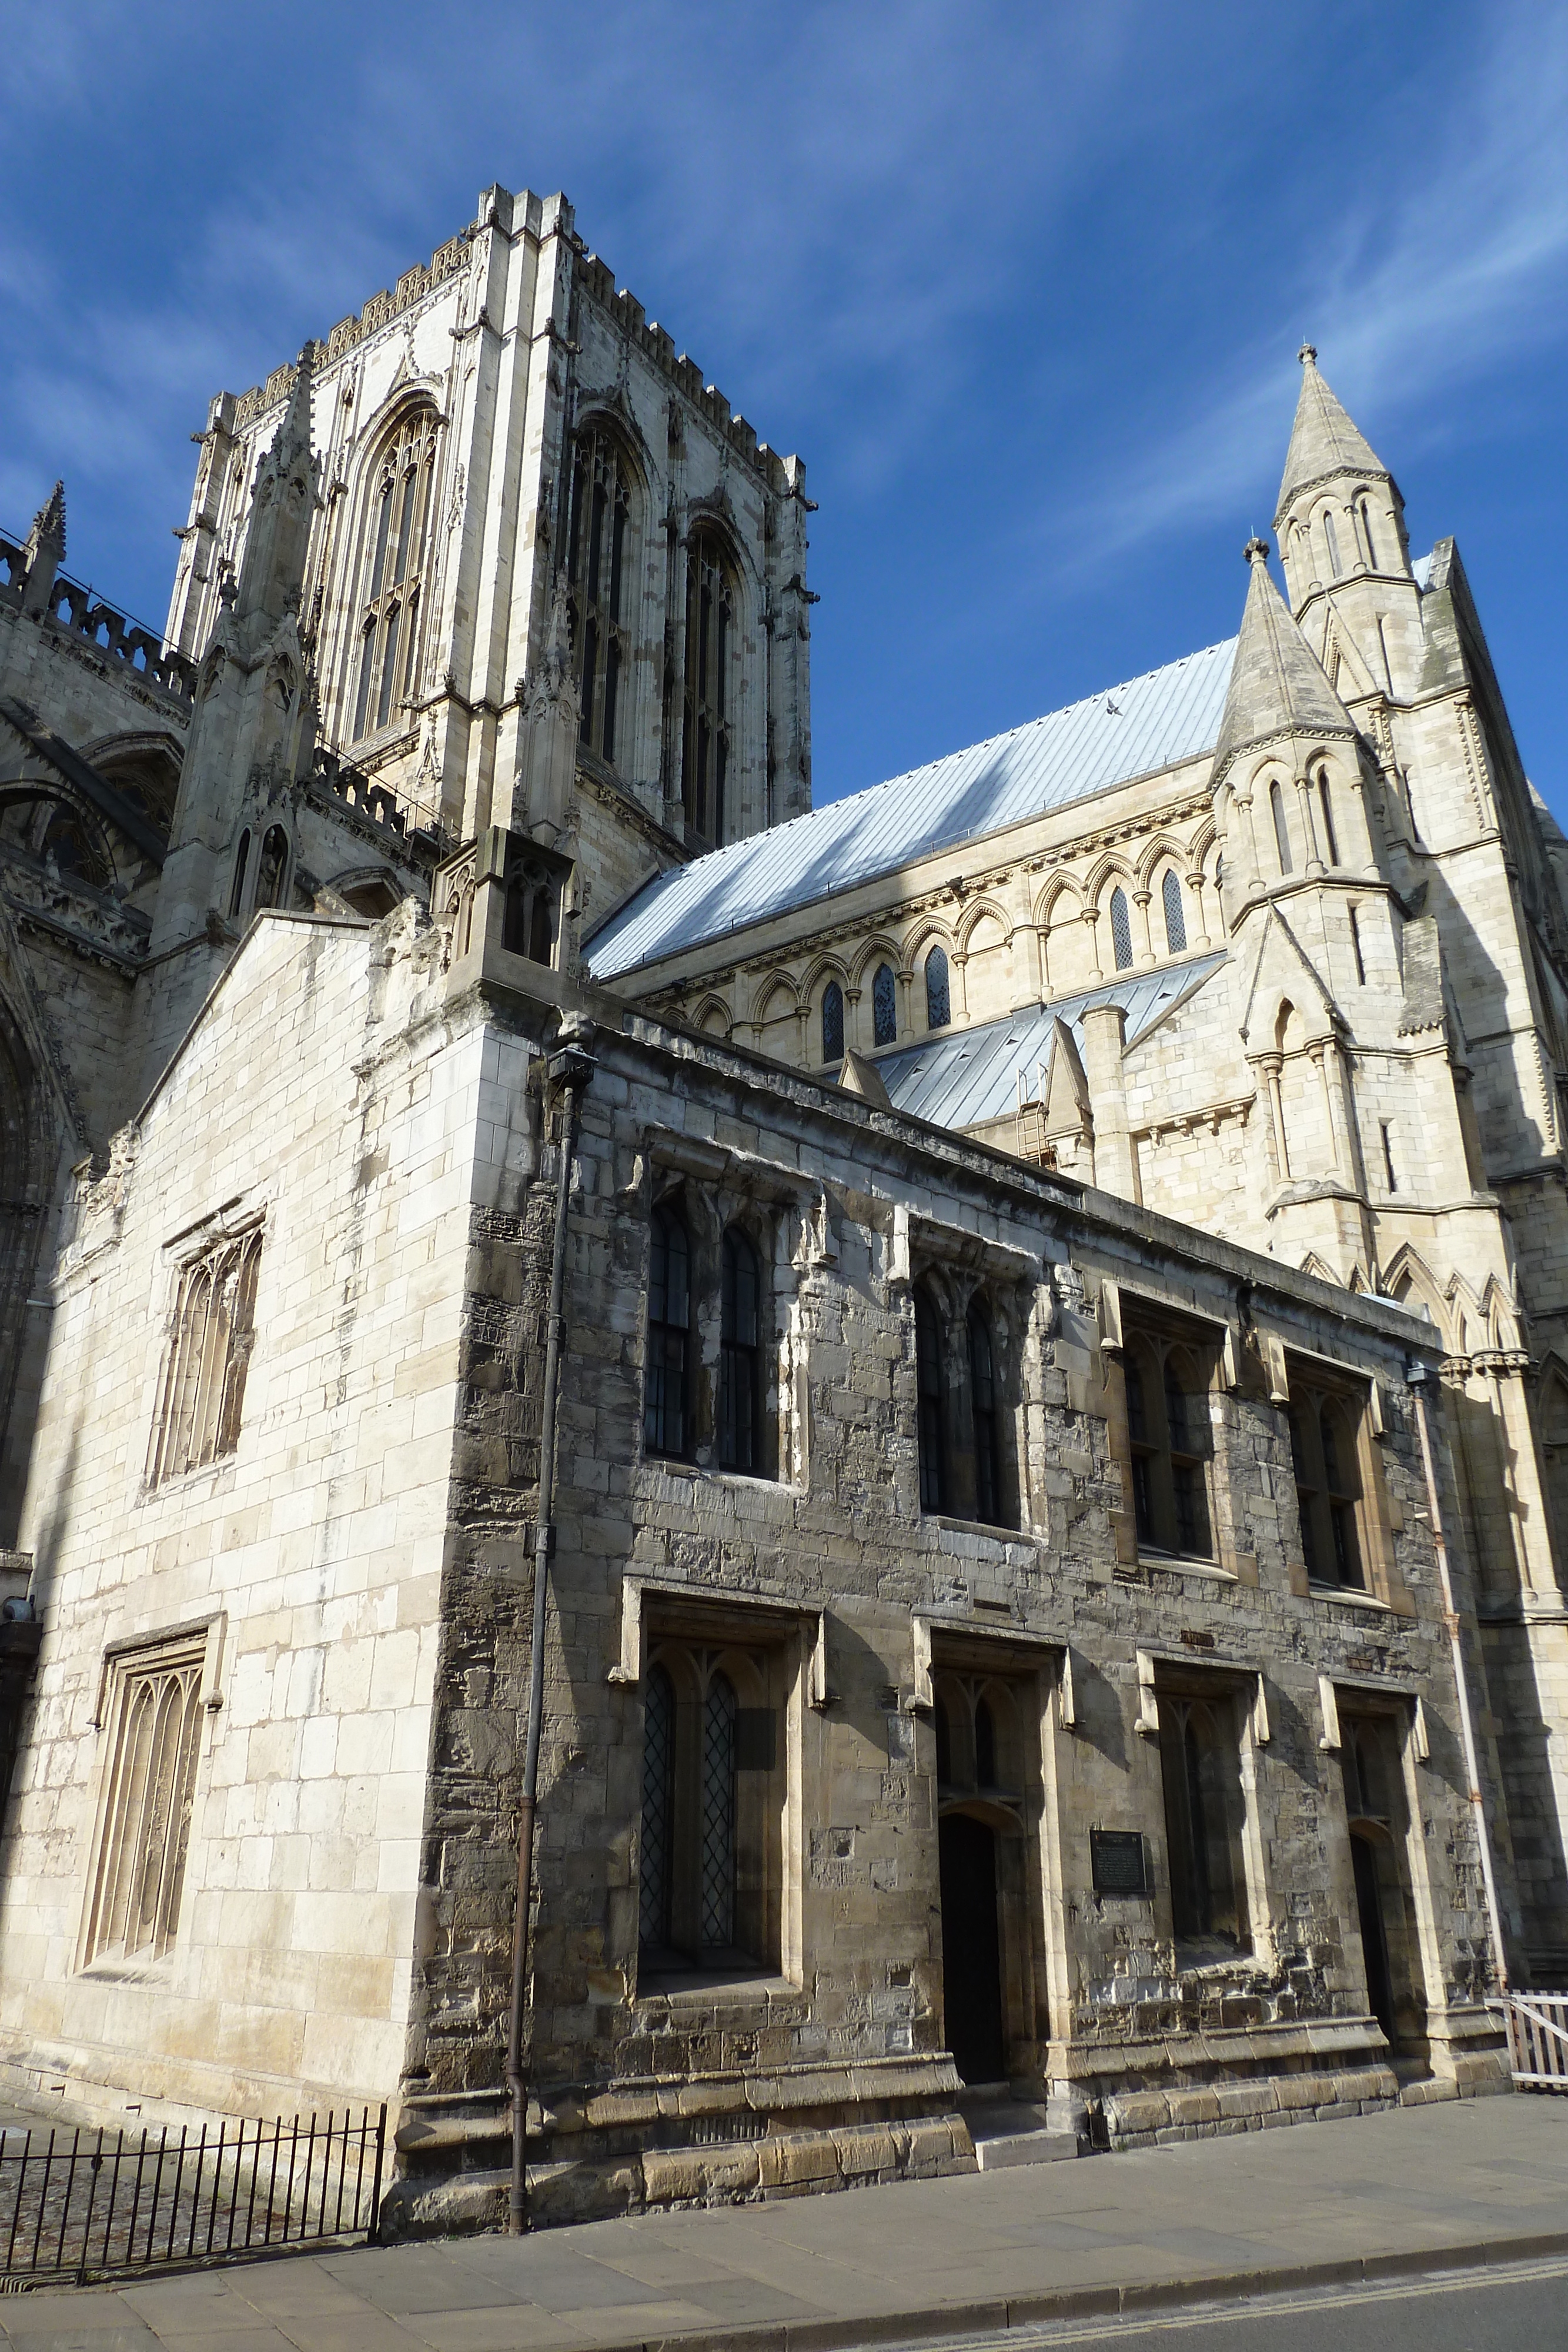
(253, 732)
(45, 550)
(1341, 525)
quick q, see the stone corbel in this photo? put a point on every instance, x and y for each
(1066, 1698)
(1418, 1740)
(922, 1697)
(1262, 1732)
(818, 1695)
(1273, 1349)
(1111, 1341)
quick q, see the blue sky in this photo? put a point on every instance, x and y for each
(1023, 284)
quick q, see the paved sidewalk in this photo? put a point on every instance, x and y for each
(1432, 2186)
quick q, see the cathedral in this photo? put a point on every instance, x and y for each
(732, 1496)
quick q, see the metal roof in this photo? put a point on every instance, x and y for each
(969, 1076)
(1134, 730)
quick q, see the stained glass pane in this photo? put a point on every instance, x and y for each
(939, 1007)
(832, 1023)
(1121, 930)
(1175, 922)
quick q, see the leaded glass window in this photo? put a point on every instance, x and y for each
(883, 1006)
(598, 570)
(658, 1808)
(1121, 930)
(397, 550)
(1175, 920)
(707, 730)
(664, 1410)
(938, 1005)
(719, 1713)
(832, 1023)
(740, 1357)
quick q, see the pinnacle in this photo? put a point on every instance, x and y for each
(1278, 687)
(1324, 440)
(49, 522)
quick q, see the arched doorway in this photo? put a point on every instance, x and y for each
(971, 1948)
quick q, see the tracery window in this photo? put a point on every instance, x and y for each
(1200, 1766)
(140, 1875)
(201, 1393)
(1169, 1441)
(938, 1002)
(1121, 929)
(1176, 919)
(707, 721)
(665, 1417)
(740, 1357)
(598, 569)
(709, 1860)
(396, 553)
(1324, 1453)
(832, 1023)
(931, 1393)
(883, 1006)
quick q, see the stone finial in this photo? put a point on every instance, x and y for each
(49, 522)
(1308, 354)
(1255, 549)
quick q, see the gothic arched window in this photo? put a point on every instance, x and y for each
(397, 542)
(1176, 919)
(1121, 930)
(740, 1357)
(1281, 827)
(705, 739)
(938, 1002)
(931, 1411)
(883, 1006)
(665, 1415)
(986, 1420)
(598, 570)
(832, 1023)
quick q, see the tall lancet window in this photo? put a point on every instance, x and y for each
(832, 1023)
(1175, 920)
(1281, 828)
(1367, 534)
(707, 718)
(1332, 537)
(939, 1002)
(396, 552)
(1121, 930)
(599, 574)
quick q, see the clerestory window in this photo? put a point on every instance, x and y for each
(707, 719)
(1175, 920)
(397, 546)
(938, 1002)
(201, 1396)
(832, 1023)
(599, 578)
(883, 1006)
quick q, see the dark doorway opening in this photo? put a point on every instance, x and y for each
(971, 1953)
(1374, 1940)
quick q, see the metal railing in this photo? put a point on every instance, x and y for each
(86, 2203)
(1537, 2025)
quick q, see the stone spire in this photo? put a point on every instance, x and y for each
(1278, 687)
(272, 574)
(1323, 441)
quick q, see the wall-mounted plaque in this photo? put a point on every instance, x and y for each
(1118, 1859)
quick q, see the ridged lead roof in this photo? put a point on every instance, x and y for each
(970, 1076)
(1151, 722)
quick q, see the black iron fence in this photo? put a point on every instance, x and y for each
(84, 2203)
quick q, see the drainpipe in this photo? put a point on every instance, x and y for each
(1418, 1376)
(568, 1070)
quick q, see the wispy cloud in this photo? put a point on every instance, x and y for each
(1411, 290)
